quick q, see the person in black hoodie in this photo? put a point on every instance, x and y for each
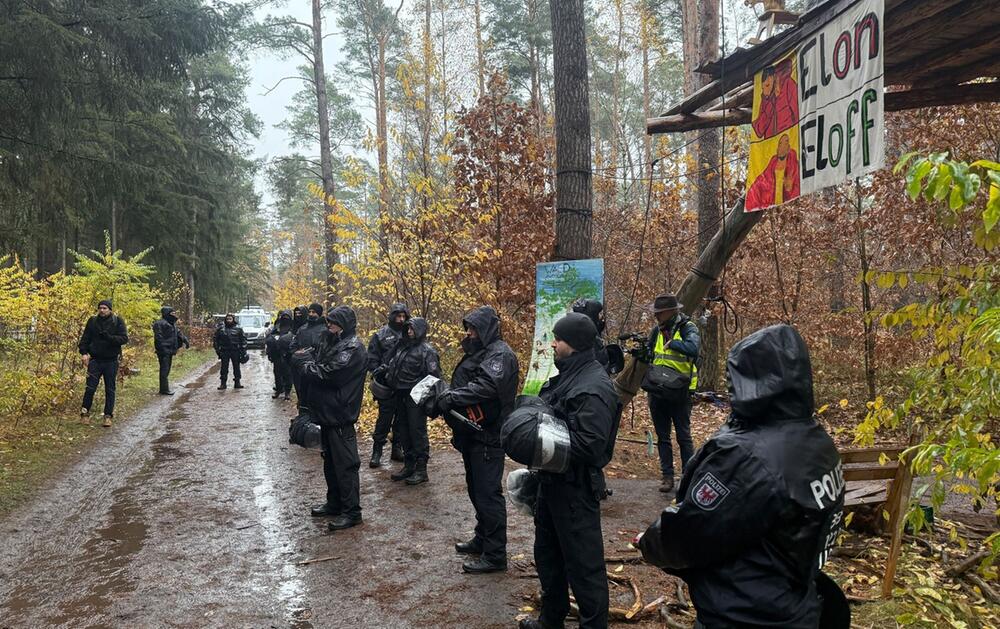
(336, 373)
(569, 547)
(230, 345)
(414, 359)
(484, 385)
(101, 347)
(381, 348)
(299, 315)
(307, 337)
(277, 347)
(167, 341)
(760, 505)
(594, 310)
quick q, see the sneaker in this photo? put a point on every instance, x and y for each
(85, 416)
(107, 421)
(667, 484)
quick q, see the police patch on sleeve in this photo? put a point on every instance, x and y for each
(344, 357)
(709, 492)
(495, 367)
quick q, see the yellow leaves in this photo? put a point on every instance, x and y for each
(843, 403)
(822, 409)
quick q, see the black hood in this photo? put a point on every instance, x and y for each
(770, 376)
(299, 313)
(168, 313)
(285, 314)
(395, 309)
(486, 323)
(344, 317)
(420, 327)
(593, 309)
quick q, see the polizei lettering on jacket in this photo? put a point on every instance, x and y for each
(828, 488)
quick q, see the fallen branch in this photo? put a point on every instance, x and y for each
(988, 592)
(248, 526)
(681, 599)
(317, 560)
(637, 603)
(963, 566)
(623, 559)
(922, 542)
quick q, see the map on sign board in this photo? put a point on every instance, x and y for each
(818, 111)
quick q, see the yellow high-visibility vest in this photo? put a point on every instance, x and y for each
(677, 361)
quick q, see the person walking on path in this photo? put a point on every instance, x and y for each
(167, 341)
(230, 346)
(101, 347)
(278, 349)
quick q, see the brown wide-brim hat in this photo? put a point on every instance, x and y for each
(666, 301)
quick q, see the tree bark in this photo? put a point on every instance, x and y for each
(480, 55)
(325, 154)
(574, 214)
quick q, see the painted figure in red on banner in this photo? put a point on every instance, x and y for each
(779, 101)
(779, 182)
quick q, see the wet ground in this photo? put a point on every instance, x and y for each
(195, 512)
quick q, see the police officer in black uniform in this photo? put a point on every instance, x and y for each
(230, 344)
(760, 504)
(594, 310)
(167, 341)
(413, 360)
(306, 337)
(277, 346)
(335, 376)
(569, 547)
(484, 385)
(381, 348)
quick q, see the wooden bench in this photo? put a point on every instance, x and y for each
(870, 482)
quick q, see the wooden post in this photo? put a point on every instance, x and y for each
(897, 501)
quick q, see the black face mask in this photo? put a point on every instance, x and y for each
(471, 345)
(313, 317)
(230, 324)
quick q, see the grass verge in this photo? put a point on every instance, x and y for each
(40, 446)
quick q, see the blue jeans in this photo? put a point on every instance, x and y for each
(97, 369)
(668, 412)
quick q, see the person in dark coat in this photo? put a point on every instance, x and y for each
(674, 344)
(277, 347)
(483, 388)
(307, 337)
(413, 360)
(101, 348)
(230, 344)
(594, 310)
(381, 348)
(759, 507)
(167, 341)
(569, 547)
(336, 373)
(299, 317)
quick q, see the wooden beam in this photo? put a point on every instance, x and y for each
(735, 227)
(983, 45)
(871, 472)
(907, 13)
(968, 12)
(894, 101)
(869, 455)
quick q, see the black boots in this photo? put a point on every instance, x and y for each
(343, 522)
(274, 396)
(322, 510)
(376, 460)
(405, 472)
(396, 454)
(481, 565)
(222, 386)
(237, 385)
(419, 474)
(470, 547)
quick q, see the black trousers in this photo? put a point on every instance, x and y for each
(411, 429)
(340, 467)
(224, 374)
(668, 412)
(282, 376)
(483, 476)
(569, 550)
(388, 418)
(166, 361)
(97, 369)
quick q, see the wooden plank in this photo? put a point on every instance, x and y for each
(901, 44)
(871, 472)
(983, 45)
(905, 14)
(864, 488)
(894, 101)
(899, 497)
(867, 500)
(868, 455)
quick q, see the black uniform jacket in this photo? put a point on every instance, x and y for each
(760, 504)
(413, 359)
(487, 378)
(584, 397)
(229, 341)
(167, 339)
(383, 343)
(103, 337)
(309, 335)
(335, 372)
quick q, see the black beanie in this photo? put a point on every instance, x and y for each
(105, 302)
(317, 308)
(577, 330)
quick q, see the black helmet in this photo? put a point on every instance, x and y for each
(303, 432)
(380, 391)
(532, 435)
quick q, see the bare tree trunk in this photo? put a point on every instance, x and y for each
(325, 155)
(382, 133)
(645, 29)
(867, 320)
(574, 213)
(189, 306)
(701, 44)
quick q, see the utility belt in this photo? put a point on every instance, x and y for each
(580, 477)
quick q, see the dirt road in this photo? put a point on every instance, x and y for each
(195, 512)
